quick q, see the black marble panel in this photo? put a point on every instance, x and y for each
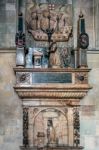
(50, 77)
(55, 1)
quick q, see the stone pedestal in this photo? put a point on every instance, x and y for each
(20, 57)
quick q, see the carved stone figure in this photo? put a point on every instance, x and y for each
(65, 57)
(54, 57)
(51, 133)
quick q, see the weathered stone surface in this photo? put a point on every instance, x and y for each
(10, 106)
(7, 23)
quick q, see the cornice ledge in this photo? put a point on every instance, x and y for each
(51, 94)
(53, 87)
(22, 69)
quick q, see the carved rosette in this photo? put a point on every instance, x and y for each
(23, 78)
(81, 78)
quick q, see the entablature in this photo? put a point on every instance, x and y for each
(68, 83)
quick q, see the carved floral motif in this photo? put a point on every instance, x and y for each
(23, 78)
(81, 78)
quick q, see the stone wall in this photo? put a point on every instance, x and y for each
(7, 23)
(10, 106)
(90, 108)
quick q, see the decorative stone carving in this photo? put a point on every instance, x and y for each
(81, 78)
(45, 17)
(20, 39)
(49, 94)
(43, 117)
(50, 91)
(37, 59)
(65, 56)
(77, 88)
(23, 78)
(53, 56)
(25, 127)
(76, 125)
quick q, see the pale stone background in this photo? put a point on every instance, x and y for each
(10, 104)
(7, 23)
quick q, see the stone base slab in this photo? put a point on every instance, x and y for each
(53, 148)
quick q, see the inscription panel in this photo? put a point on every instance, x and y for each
(49, 77)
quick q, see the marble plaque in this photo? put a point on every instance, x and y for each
(49, 77)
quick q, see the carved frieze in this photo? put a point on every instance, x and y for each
(49, 94)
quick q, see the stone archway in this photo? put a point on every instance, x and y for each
(50, 128)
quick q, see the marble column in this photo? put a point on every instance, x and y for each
(83, 42)
(20, 35)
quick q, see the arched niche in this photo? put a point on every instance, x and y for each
(54, 121)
